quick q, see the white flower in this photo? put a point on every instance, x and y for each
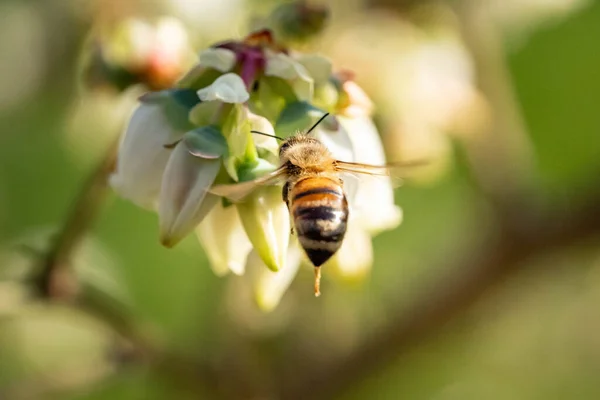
(354, 259)
(269, 286)
(228, 88)
(267, 223)
(218, 58)
(142, 157)
(183, 201)
(284, 66)
(376, 213)
(224, 240)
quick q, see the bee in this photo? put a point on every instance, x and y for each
(313, 192)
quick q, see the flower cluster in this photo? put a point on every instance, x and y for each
(181, 141)
(133, 51)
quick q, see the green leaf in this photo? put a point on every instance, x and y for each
(206, 142)
(300, 116)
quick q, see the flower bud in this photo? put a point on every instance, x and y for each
(267, 223)
(183, 201)
(142, 156)
(269, 286)
(354, 259)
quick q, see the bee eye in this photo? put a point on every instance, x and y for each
(284, 147)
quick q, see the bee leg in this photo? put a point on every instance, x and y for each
(285, 196)
(317, 281)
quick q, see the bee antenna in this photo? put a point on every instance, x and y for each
(266, 134)
(317, 123)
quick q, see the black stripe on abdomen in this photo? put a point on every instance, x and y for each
(327, 231)
(319, 190)
(319, 212)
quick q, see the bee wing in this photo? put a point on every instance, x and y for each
(396, 171)
(237, 191)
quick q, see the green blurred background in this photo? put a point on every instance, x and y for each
(533, 334)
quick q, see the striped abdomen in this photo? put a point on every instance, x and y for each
(320, 211)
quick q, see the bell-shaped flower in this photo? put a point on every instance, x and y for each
(133, 51)
(192, 168)
(376, 213)
(269, 286)
(228, 88)
(354, 259)
(224, 240)
(142, 156)
(267, 223)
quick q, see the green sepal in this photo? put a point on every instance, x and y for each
(280, 87)
(225, 202)
(250, 171)
(204, 112)
(236, 128)
(301, 116)
(206, 142)
(267, 102)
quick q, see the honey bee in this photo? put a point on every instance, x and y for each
(313, 192)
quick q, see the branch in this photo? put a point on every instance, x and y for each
(56, 279)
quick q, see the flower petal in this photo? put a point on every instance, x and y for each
(183, 201)
(228, 88)
(354, 259)
(218, 58)
(267, 223)
(142, 157)
(318, 67)
(377, 213)
(261, 124)
(270, 286)
(224, 240)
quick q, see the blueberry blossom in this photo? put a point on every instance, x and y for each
(182, 141)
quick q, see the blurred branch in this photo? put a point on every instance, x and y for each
(56, 279)
(501, 157)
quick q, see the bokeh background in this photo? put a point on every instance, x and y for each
(488, 290)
